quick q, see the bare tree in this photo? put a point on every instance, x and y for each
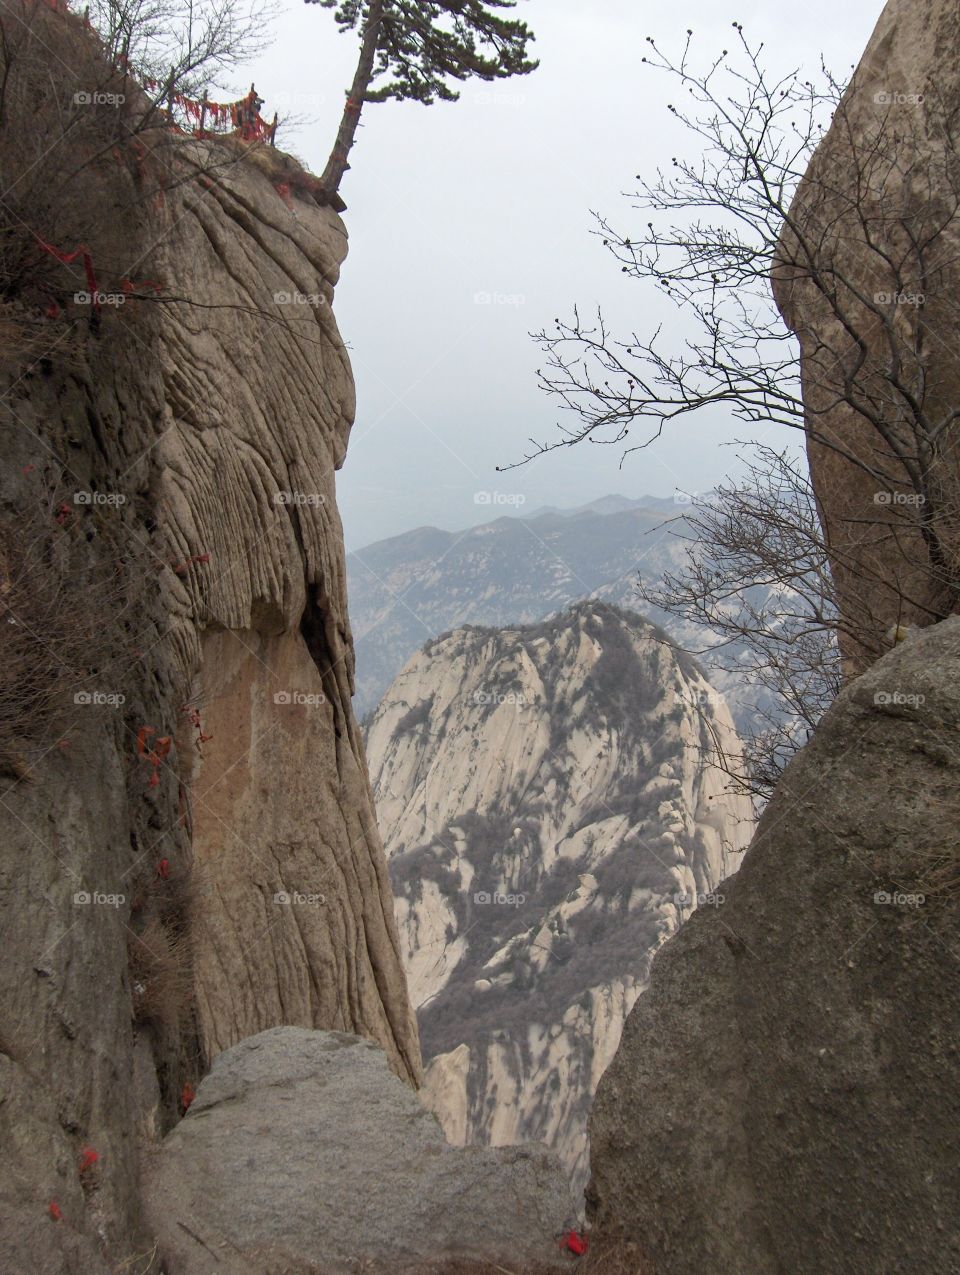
(855, 244)
(711, 251)
(111, 145)
(186, 46)
(756, 574)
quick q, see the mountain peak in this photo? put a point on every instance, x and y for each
(552, 806)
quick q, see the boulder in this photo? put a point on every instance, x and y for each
(786, 1096)
(302, 1151)
(867, 278)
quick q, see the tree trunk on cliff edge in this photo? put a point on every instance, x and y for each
(337, 164)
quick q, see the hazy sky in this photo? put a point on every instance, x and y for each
(493, 194)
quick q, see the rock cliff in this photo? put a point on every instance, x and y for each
(552, 810)
(786, 1095)
(867, 278)
(190, 847)
(783, 1095)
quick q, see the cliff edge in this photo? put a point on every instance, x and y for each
(190, 846)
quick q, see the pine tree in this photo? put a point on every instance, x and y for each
(412, 50)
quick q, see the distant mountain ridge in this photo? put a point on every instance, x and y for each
(613, 504)
(517, 569)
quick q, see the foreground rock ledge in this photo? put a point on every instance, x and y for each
(303, 1152)
(785, 1097)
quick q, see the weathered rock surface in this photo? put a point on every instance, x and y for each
(868, 279)
(302, 1152)
(209, 411)
(257, 414)
(787, 1092)
(552, 806)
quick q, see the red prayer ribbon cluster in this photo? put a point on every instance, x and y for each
(242, 116)
(194, 716)
(153, 756)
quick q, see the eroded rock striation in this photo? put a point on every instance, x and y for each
(553, 808)
(190, 847)
(786, 1096)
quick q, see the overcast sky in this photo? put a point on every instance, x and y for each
(493, 195)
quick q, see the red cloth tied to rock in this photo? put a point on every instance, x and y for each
(68, 258)
(575, 1242)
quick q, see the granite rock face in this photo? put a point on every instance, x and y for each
(257, 412)
(553, 807)
(867, 278)
(171, 568)
(302, 1152)
(786, 1096)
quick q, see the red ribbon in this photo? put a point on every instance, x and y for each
(153, 756)
(575, 1242)
(68, 258)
